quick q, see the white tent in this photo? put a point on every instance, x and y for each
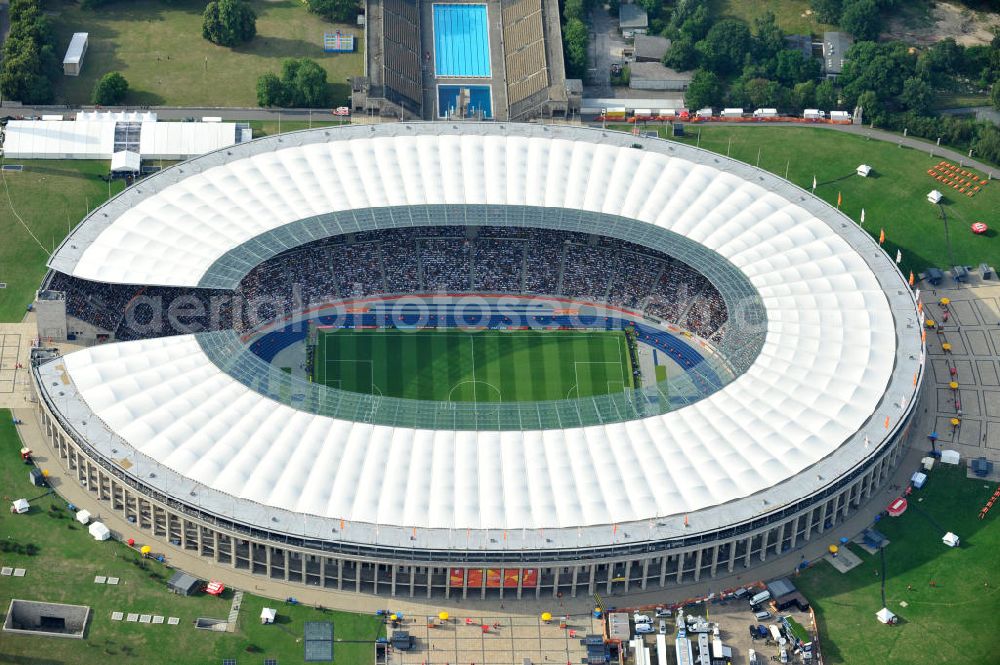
(268, 614)
(950, 457)
(864, 170)
(885, 616)
(125, 160)
(20, 506)
(83, 516)
(950, 539)
(99, 531)
(934, 196)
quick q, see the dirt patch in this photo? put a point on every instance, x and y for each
(967, 27)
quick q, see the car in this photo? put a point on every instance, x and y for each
(662, 612)
(663, 627)
(641, 618)
(753, 632)
(643, 628)
(762, 615)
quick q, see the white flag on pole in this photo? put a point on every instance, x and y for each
(814, 184)
(862, 215)
(899, 256)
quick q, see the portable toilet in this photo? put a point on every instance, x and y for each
(918, 479)
(83, 516)
(864, 170)
(934, 196)
(20, 506)
(950, 539)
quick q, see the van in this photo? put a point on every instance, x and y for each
(641, 618)
(663, 627)
(643, 628)
(784, 655)
(760, 598)
(762, 615)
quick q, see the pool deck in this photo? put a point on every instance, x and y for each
(498, 91)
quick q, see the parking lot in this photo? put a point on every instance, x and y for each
(462, 640)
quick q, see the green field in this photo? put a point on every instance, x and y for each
(48, 196)
(953, 621)
(486, 366)
(895, 199)
(791, 15)
(159, 48)
(63, 570)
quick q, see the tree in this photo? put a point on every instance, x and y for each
(575, 44)
(761, 93)
(870, 106)
(725, 46)
(804, 95)
(29, 62)
(576, 9)
(987, 143)
(339, 11)
(827, 11)
(995, 96)
(690, 19)
(305, 83)
(270, 90)
(881, 68)
(861, 19)
(826, 95)
(704, 90)
(228, 22)
(768, 38)
(791, 68)
(681, 55)
(917, 95)
(110, 89)
(302, 84)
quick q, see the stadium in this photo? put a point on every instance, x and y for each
(479, 360)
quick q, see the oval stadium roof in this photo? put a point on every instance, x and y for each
(836, 374)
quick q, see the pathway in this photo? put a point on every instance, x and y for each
(234, 612)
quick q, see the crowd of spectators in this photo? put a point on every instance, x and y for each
(419, 260)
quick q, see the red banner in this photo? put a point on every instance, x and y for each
(475, 577)
(456, 578)
(529, 578)
(510, 578)
(493, 578)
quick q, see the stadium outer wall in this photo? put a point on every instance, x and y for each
(617, 569)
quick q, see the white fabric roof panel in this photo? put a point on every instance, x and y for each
(181, 140)
(59, 139)
(820, 377)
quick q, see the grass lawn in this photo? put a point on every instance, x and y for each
(48, 195)
(895, 199)
(271, 127)
(64, 569)
(791, 14)
(945, 623)
(488, 366)
(159, 48)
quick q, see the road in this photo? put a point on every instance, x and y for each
(253, 113)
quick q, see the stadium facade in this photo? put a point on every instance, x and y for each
(196, 440)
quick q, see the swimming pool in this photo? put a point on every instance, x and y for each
(479, 99)
(461, 41)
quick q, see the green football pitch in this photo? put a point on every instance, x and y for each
(480, 366)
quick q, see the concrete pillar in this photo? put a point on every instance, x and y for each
(680, 566)
(591, 586)
(555, 581)
(430, 580)
(268, 559)
(763, 544)
(715, 558)
(746, 557)
(645, 573)
(576, 574)
(520, 575)
(781, 538)
(697, 564)
(340, 574)
(795, 531)
(822, 516)
(663, 570)
(413, 582)
(628, 575)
